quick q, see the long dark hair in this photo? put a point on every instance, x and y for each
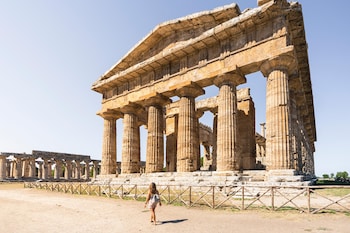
(153, 188)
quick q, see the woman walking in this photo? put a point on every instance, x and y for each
(152, 200)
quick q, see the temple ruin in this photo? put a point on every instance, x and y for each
(47, 166)
(157, 82)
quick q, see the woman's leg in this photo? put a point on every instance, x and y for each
(152, 215)
(153, 211)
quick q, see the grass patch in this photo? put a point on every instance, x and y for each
(338, 192)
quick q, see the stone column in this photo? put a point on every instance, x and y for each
(87, 170)
(40, 169)
(95, 169)
(68, 170)
(18, 168)
(77, 169)
(171, 123)
(58, 169)
(131, 141)
(32, 167)
(155, 136)
(45, 169)
(187, 140)
(215, 134)
(226, 121)
(109, 146)
(49, 169)
(278, 118)
(2, 167)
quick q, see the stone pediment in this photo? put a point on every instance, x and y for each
(170, 33)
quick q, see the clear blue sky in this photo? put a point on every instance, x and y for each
(52, 51)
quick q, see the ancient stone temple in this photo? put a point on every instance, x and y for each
(157, 82)
(47, 166)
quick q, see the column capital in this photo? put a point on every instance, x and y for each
(131, 108)
(191, 90)
(235, 77)
(110, 114)
(283, 62)
(156, 98)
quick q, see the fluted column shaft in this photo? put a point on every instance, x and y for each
(155, 136)
(278, 114)
(2, 167)
(87, 170)
(77, 169)
(131, 144)
(226, 121)
(109, 147)
(187, 141)
(214, 151)
(68, 170)
(18, 169)
(58, 169)
(155, 141)
(95, 169)
(45, 170)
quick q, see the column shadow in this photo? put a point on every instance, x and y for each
(173, 221)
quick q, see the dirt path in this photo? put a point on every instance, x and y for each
(30, 210)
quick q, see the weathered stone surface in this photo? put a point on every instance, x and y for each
(180, 58)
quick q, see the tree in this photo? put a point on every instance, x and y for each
(325, 176)
(343, 174)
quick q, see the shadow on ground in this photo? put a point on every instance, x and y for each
(173, 221)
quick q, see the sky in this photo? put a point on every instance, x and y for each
(51, 52)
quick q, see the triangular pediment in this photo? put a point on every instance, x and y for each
(170, 33)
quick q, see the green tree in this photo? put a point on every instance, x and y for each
(332, 175)
(343, 174)
(325, 176)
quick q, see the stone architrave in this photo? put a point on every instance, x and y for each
(187, 139)
(278, 122)
(226, 122)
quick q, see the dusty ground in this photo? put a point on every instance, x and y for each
(29, 210)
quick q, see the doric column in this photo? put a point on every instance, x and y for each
(278, 116)
(18, 168)
(131, 141)
(58, 169)
(77, 169)
(2, 167)
(95, 168)
(187, 140)
(109, 144)
(87, 170)
(215, 134)
(171, 124)
(44, 170)
(226, 121)
(40, 169)
(197, 157)
(68, 170)
(155, 136)
(32, 167)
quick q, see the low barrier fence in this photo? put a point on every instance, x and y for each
(308, 199)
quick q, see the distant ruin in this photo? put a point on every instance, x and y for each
(47, 166)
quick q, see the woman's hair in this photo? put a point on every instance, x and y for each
(152, 188)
